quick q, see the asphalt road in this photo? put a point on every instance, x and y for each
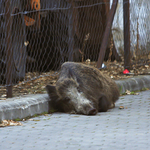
(117, 129)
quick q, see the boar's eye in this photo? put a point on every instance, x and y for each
(78, 89)
(66, 99)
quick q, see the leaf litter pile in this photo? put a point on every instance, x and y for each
(34, 83)
(6, 123)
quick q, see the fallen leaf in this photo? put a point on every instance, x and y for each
(30, 119)
(128, 92)
(112, 77)
(4, 95)
(121, 107)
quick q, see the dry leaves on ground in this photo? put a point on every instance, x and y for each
(35, 83)
(6, 123)
(131, 93)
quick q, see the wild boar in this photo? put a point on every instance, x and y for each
(82, 89)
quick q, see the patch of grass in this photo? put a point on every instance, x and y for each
(120, 89)
(132, 93)
(123, 94)
(44, 113)
(26, 118)
(145, 89)
(52, 111)
(17, 119)
(35, 115)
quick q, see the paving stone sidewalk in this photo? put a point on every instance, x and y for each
(22, 107)
(117, 129)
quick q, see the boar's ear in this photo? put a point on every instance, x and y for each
(72, 74)
(103, 103)
(51, 90)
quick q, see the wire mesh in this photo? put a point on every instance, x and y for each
(36, 37)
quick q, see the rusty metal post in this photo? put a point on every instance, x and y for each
(106, 34)
(8, 50)
(71, 31)
(126, 14)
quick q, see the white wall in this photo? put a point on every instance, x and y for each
(139, 24)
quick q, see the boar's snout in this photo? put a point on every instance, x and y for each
(92, 111)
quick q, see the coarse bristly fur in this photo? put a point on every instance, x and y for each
(82, 89)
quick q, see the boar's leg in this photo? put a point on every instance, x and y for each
(103, 104)
(55, 101)
(51, 90)
(54, 98)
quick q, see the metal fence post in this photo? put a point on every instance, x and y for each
(8, 50)
(106, 33)
(126, 14)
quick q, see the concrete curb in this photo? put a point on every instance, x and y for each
(22, 107)
(134, 84)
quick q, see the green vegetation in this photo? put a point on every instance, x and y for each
(35, 115)
(17, 119)
(135, 92)
(120, 89)
(52, 111)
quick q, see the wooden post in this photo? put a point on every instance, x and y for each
(107, 33)
(8, 49)
(126, 14)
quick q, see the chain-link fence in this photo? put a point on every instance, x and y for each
(36, 37)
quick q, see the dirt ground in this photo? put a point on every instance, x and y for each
(35, 83)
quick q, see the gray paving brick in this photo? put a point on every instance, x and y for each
(127, 128)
